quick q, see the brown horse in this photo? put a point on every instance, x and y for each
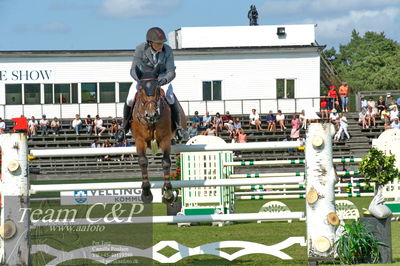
(152, 124)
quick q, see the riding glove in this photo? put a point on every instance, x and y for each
(162, 82)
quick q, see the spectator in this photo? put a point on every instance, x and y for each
(398, 103)
(231, 129)
(381, 105)
(89, 123)
(294, 134)
(196, 120)
(106, 144)
(77, 124)
(389, 99)
(342, 128)
(280, 119)
(114, 126)
(254, 119)
(334, 118)
(371, 102)
(226, 118)
(210, 131)
(395, 124)
(240, 137)
(332, 97)
(207, 120)
(218, 123)
(394, 113)
(344, 96)
(192, 131)
(387, 125)
(324, 108)
(303, 119)
(371, 116)
(385, 116)
(363, 103)
(33, 126)
(237, 124)
(2, 126)
(361, 119)
(44, 125)
(55, 126)
(95, 144)
(98, 128)
(271, 121)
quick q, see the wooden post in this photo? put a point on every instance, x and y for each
(322, 219)
(14, 188)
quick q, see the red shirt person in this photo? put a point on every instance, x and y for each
(333, 97)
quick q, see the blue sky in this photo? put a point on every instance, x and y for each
(122, 24)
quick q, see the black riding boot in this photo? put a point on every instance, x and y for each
(121, 134)
(175, 108)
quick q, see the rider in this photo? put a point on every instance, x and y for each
(147, 57)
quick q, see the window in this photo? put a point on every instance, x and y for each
(62, 93)
(123, 91)
(212, 90)
(48, 93)
(107, 92)
(285, 88)
(74, 92)
(32, 93)
(13, 93)
(89, 92)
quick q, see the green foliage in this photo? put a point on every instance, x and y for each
(370, 62)
(357, 245)
(378, 167)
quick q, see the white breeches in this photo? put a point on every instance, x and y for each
(133, 89)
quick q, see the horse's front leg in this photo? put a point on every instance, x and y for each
(147, 196)
(168, 195)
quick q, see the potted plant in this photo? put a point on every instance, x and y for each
(380, 169)
(357, 245)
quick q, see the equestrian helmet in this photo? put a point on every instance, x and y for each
(156, 35)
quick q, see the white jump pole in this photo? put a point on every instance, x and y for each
(239, 217)
(284, 186)
(14, 189)
(159, 184)
(253, 146)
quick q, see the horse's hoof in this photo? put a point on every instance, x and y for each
(169, 195)
(147, 198)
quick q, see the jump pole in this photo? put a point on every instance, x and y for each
(159, 184)
(339, 173)
(239, 217)
(284, 186)
(287, 162)
(253, 146)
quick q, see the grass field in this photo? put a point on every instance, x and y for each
(267, 233)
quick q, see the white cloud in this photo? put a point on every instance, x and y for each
(54, 27)
(136, 8)
(338, 29)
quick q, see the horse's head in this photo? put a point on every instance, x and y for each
(149, 95)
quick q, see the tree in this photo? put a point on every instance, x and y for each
(371, 62)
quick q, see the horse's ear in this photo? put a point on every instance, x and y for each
(139, 73)
(156, 71)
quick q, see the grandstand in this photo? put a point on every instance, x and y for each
(93, 168)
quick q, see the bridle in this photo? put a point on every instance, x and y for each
(143, 104)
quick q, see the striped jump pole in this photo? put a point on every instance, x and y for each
(239, 217)
(287, 162)
(269, 192)
(159, 184)
(300, 196)
(300, 186)
(251, 146)
(256, 175)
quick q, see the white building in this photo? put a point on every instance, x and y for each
(218, 69)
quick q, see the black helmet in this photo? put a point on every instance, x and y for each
(156, 35)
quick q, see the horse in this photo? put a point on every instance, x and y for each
(152, 126)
